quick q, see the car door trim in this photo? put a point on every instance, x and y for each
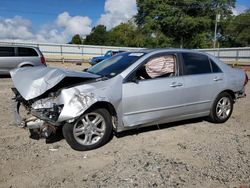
(165, 108)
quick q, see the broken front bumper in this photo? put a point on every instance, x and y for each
(18, 120)
(38, 127)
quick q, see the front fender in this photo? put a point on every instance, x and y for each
(77, 100)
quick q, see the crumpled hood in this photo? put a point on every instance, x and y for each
(32, 82)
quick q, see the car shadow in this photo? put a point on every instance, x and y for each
(141, 130)
(4, 76)
(55, 137)
(58, 136)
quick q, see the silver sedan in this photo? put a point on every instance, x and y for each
(127, 91)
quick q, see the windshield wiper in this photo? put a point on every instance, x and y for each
(103, 77)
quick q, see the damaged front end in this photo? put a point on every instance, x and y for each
(38, 102)
(39, 117)
(48, 99)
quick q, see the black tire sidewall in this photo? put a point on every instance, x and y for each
(69, 137)
(213, 114)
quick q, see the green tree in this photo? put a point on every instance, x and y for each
(98, 36)
(238, 30)
(123, 35)
(128, 34)
(187, 22)
(76, 39)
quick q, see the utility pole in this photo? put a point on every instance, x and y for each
(217, 19)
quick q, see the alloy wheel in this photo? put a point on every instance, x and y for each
(89, 129)
(223, 108)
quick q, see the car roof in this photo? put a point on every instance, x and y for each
(165, 49)
(20, 46)
(159, 50)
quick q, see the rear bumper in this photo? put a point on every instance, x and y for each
(240, 94)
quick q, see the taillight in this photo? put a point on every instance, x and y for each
(246, 80)
(43, 61)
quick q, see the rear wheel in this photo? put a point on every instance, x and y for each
(222, 108)
(92, 130)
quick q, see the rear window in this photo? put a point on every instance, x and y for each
(27, 52)
(7, 51)
(215, 67)
(196, 64)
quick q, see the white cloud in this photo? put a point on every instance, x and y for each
(15, 28)
(74, 25)
(60, 30)
(117, 11)
(239, 9)
(51, 35)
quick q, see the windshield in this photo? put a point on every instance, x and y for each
(108, 53)
(115, 65)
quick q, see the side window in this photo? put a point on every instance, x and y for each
(108, 53)
(215, 67)
(196, 64)
(27, 52)
(160, 66)
(7, 51)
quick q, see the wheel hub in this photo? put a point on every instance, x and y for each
(223, 108)
(89, 129)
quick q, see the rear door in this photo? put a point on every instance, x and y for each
(147, 101)
(8, 59)
(203, 81)
(28, 55)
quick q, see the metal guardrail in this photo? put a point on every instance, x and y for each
(83, 53)
(69, 52)
(231, 55)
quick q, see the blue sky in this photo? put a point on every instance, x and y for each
(58, 20)
(44, 11)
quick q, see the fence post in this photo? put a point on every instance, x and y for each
(82, 53)
(237, 55)
(218, 53)
(62, 59)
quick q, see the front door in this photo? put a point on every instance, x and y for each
(149, 101)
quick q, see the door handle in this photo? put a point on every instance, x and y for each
(217, 79)
(174, 84)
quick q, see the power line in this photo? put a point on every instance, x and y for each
(28, 12)
(38, 13)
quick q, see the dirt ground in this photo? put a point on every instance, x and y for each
(185, 154)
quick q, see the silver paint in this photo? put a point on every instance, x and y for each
(146, 102)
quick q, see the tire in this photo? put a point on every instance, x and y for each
(222, 108)
(91, 130)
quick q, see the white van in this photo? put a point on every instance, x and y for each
(19, 56)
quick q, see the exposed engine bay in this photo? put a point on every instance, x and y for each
(40, 114)
(51, 97)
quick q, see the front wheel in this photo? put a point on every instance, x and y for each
(222, 108)
(91, 130)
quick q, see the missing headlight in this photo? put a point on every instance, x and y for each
(48, 114)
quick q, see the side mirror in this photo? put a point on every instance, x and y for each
(135, 80)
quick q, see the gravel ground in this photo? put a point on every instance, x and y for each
(191, 153)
